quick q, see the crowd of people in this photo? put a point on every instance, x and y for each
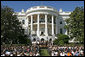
(34, 50)
(14, 50)
(66, 51)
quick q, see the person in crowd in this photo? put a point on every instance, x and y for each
(66, 51)
(20, 50)
(33, 50)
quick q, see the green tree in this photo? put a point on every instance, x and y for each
(75, 25)
(24, 40)
(11, 29)
(61, 42)
(55, 42)
(62, 39)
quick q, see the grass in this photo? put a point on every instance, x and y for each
(44, 52)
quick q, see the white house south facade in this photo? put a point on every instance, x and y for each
(43, 22)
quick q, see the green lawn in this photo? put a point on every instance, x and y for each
(44, 52)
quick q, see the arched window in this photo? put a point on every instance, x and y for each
(50, 40)
(60, 22)
(61, 31)
(42, 39)
(34, 39)
(23, 21)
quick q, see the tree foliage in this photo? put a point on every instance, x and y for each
(75, 24)
(62, 39)
(11, 29)
(61, 42)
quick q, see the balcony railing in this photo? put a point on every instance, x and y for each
(43, 21)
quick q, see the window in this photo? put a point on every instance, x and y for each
(60, 22)
(23, 21)
(54, 19)
(61, 31)
(42, 20)
(49, 20)
(33, 21)
(29, 21)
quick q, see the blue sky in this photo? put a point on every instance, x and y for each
(65, 5)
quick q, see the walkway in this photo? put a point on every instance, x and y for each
(44, 52)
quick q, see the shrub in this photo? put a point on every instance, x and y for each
(62, 39)
(55, 42)
(61, 42)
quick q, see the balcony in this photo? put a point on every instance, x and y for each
(42, 21)
(34, 22)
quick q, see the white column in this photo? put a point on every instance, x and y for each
(31, 24)
(52, 25)
(28, 26)
(38, 25)
(56, 25)
(46, 30)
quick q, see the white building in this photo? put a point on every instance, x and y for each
(43, 22)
